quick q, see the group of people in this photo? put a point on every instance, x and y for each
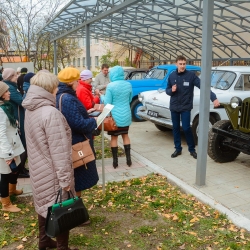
(32, 120)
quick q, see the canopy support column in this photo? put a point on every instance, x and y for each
(55, 58)
(206, 64)
(87, 29)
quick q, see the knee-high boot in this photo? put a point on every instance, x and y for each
(115, 156)
(128, 156)
(44, 241)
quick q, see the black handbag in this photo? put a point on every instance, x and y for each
(65, 215)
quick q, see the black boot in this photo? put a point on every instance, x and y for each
(127, 152)
(115, 156)
(44, 241)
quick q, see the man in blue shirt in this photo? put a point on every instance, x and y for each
(181, 89)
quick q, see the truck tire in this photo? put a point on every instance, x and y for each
(162, 128)
(195, 127)
(216, 150)
(135, 104)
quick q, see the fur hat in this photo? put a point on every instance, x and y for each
(24, 70)
(8, 73)
(3, 88)
(86, 74)
(68, 75)
(28, 76)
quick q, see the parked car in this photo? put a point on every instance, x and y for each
(156, 78)
(134, 74)
(228, 138)
(226, 82)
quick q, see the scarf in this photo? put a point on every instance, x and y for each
(9, 111)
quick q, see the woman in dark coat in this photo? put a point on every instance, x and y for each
(80, 123)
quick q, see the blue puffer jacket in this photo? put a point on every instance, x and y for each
(119, 94)
(182, 99)
(16, 100)
(80, 124)
(26, 86)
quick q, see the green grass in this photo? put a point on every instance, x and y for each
(143, 213)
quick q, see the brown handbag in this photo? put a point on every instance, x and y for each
(99, 107)
(82, 152)
(109, 124)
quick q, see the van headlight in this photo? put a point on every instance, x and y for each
(140, 97)
(235, 102)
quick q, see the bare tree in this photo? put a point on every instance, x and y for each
(24, 18)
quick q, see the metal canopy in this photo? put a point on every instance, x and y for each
(162, 28)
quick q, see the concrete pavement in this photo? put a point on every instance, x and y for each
(227, 186)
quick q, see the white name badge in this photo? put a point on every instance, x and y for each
(185, 83)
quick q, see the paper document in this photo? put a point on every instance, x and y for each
(105, 112)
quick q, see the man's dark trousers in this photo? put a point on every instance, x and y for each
(185, 118)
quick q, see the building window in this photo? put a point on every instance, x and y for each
(74, 62)
(96, 61)
(78, 62)
(83, 61)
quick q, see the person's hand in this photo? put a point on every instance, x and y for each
(91, 110)
(66, 188)
(9, 161)
(174, 87)
(97, 92)
(216, 103)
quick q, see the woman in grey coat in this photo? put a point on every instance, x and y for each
(48, 137)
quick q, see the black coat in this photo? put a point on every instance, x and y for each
(182, 99)
(81, 125)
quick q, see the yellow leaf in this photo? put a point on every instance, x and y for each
(106, 233)
(130, 231)
(192, 233)
(24, 239)
(33, 224)
(128, 245)
(6, 218)
(175, 217)
(242, 236)
(4, 243)
(20, 247)
(194, 220)
(167, 215)
(5, 215)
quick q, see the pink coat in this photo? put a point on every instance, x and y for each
(48, 138)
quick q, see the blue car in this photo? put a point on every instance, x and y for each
(156, 78)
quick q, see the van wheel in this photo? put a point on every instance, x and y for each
(134, 107)
(216, 150)
(195, 127)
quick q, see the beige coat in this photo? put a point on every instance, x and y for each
(48, 138)
(10, 143)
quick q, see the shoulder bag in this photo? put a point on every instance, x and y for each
(82, 152)
(65, 215)
(109, 124)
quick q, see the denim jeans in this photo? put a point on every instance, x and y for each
(185, 118)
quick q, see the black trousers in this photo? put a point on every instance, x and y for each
(4, 184)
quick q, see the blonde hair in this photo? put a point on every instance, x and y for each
(45, 80)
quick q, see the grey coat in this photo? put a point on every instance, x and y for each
(48, 138)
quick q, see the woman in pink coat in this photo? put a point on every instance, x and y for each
(48, 137)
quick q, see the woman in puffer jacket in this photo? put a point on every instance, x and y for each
(81, 125)
(48, 137)
(119, 94)
(10, 150)
(84, 91)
